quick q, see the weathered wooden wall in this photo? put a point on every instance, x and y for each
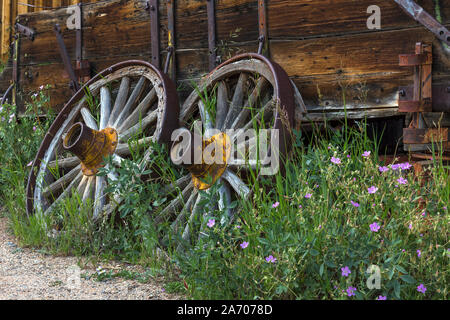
(10, 9)
(324, 46)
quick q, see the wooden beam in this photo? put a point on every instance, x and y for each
(6, 28)
(21, 9)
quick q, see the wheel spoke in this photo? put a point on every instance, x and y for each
(225, 198)
(182, 216)
(237, 101)
(105, 107)
(120, 100)
(69, 162)
(261, 115)
(89, 188)
(204, 115)
(123, 149)
(180, 184)
(174, 204)
(88, 118)
(61, 182)
(186, 233)
(250, 103)
(65, 193)
(149, 119)
(82, 185)
(237, 164)
(236, 183)
(131, 102)
(222, 104)
(99, 202)
(139, 111)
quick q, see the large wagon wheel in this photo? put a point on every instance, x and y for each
(246, 92)
(128, 99)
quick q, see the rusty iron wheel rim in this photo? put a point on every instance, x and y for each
(278, 87)
(156, 110)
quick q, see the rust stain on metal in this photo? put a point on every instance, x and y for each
(423, 17)
(153, 6)
(263, 47)
(90, 146)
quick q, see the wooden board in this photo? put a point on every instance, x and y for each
(336, 62)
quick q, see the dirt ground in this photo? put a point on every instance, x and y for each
(30, 275)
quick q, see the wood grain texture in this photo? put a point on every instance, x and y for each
(325, 47)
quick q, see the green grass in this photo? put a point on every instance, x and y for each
(311, 238)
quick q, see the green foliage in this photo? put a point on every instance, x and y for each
(313, 238)
(306, 217)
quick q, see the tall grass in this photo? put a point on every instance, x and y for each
(309, 232)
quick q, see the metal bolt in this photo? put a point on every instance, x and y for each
(402, 92)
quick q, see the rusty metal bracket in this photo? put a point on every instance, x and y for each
(422, 92)
(170, 60)
(211, 11)
(440, 94)
(153, 7)
(263, 47)
(28, 32)
(74, 85)
(424, 18)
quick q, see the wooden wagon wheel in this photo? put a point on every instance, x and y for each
(246, 92)
(128, 99)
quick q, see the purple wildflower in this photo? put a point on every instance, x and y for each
(383, 169)
(374, 227)
(345, 271)
(419, 253)
(351, 291)
(381, 297)
(405, 166)
(271, 259)
(29, 164)
(276, 204)
(395, 166)
(244, 244)
(211, 223)
(421, 288)
(366, 154)
(335, 160)
(308, 195)
(410, 226)
(372, 189)
(355, 204)
(401, 180)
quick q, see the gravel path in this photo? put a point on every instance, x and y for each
(27, 274)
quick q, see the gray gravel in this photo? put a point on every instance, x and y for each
(28, 274)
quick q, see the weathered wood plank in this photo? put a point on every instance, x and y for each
(340, 63)
(302, 19)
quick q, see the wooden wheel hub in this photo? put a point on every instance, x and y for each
(90, 146)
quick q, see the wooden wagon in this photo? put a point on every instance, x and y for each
(324, 60)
